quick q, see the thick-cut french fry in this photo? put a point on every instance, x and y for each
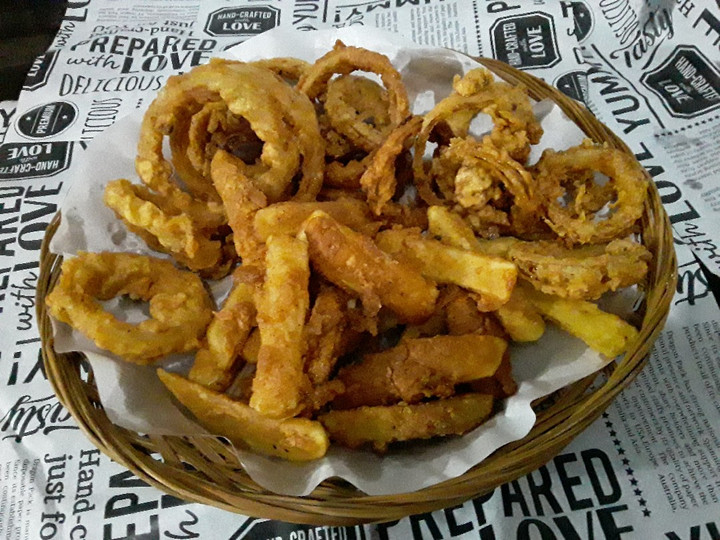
(295, 439)
(280, 384)
(520, 318)
(288, 217)
(241, 199)
(491, 277)
(419, 368)
(603, 332)
(252, 347)
(452, 230)
(353, 262)
(215, 363)
(324, 334)
(380, 425)
(463, 317)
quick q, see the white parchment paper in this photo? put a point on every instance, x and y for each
(133, 396)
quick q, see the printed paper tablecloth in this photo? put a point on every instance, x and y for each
(650, 468)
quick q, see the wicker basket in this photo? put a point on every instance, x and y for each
(206, 470)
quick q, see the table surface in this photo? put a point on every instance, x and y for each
(27, 28)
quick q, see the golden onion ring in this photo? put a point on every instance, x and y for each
(180, 307)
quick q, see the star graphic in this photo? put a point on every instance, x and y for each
(638, 492)
(612, 433)
(608, 424)
(605, 415)
(616, 442)
(642, 502)
(621, 451)
(626, 461)
(633, 481)
(646, 513)
(629, 471)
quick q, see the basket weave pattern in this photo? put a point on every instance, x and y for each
(206, 470)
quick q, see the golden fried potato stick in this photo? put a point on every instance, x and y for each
(451, 228)
(491, 277)
(325, 334)
(353, 262)
(419, 368)
(520, 318)
(281, 385)
(501, 384)
(603, 332)
(252, 347)
(294, 439)
(242, 200)
(179, 305)
(463, 317)
(381, 425)
(215, 363)
(288, 217)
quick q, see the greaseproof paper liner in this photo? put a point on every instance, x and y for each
(134, 398)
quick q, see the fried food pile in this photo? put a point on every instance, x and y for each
(382, 262)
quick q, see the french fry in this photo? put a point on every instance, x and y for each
(280, 384)
(216, 362)
(452, 230)
(419, 368)
(382, 425)
(603, 332)
(294, 439)
(520, 318)
(241, 199)
(354, 263)
(324, 334)
(463, 317)
(251, 348)
(492, 278)
(288, 217)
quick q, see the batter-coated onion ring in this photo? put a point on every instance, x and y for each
(180, 307)
(626, 178)
(343, 61)
(379, 181)
(137, 206)
(357, 108)
(290, 69)
(585, 272)
(215, 127)
(281, 117)
(481, 178)
(509, 106)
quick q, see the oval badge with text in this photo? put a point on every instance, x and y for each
(46, 120)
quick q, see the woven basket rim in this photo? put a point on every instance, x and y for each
(213, 481)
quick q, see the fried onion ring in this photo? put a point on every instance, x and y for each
(509, 106)
(491, 189)
(344, 60)
(281, 117)
(180, 307)
(379, 181)
(585, 272)
(626, 178)
(357, 108)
